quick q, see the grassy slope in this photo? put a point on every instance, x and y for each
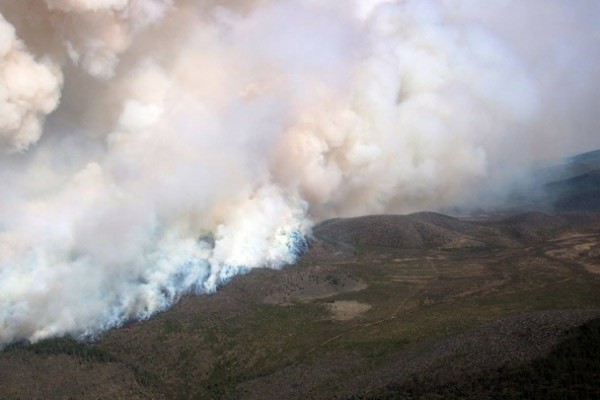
(570, 371)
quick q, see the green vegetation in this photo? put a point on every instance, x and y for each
(68, 346)
(570, 371)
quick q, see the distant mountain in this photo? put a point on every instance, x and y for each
(570, 184)
(590, 160)
(579, 193)
(568, 167)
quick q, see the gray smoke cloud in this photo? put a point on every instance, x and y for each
(154, 148)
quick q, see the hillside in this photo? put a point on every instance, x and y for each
(433, 230)
(378, 302)
(565, 185)
(581, 192)
(421, 230)
(569, 371)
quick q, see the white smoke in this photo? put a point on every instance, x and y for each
(196, 140)
(29, 90)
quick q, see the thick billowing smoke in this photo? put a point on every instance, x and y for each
(29, 90)
(195, 140)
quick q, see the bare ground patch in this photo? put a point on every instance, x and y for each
(347, 310)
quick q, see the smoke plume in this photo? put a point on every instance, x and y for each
(151, 148)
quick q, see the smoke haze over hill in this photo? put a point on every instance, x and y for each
(153, 148)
